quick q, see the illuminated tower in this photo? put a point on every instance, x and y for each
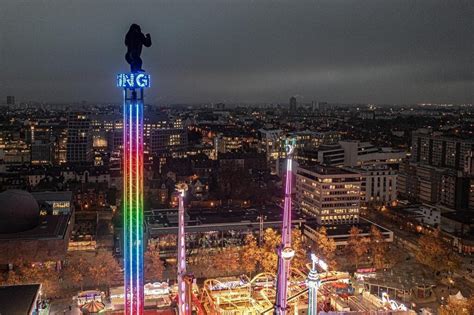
(184, 280)
(285, 252)
(133, 85)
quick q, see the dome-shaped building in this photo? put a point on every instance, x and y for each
(19, 211)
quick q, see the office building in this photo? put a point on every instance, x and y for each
(314, 139)
(331, 195)
(355, 153)
(379, 185)
(79, 138)
(165, 140)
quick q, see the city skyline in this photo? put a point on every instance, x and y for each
(361, 52)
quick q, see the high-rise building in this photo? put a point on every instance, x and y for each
(10, 100)
(42, 152)
(330, 194)
(79, 138)
(292, 103)
(433, 185)
(432, 148)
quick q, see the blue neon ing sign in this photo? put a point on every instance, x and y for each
(133, 80)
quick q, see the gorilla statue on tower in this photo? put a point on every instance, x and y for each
(134, 40)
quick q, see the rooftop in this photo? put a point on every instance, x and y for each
(168, 218)
(465, 217)
(49, 227)
(327, 170)
(18, 299)
(53, 195)
(343, 229)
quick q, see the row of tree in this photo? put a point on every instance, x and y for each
(250, 258)
(358, 246)
(253, 257)
(98, 269)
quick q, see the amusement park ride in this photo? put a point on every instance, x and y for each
(184, 280)
(133, 85)
(314, 283)
(240, 295)
(285, 252)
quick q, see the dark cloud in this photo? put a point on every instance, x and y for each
(213, 50)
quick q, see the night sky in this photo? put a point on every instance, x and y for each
(381, 51)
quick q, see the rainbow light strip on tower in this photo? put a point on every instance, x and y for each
(133, 190)
(285, 252)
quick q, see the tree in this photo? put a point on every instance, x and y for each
(301, 256)
(325, 247)
(378, 247)
(457, 307)
(433, 252)
(269, 258)
(51, 282)
(154, 266)
(76, 269)
(104, 269)
(250, 254)
(357, 246)
(228, 261)
(12, 278)
(25, 273)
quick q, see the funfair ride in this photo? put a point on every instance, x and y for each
(184, 280)
(314, 283)
(133, 85)
(285, 252)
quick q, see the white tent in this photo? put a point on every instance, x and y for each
(457, 297)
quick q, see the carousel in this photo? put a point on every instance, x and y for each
(93, 307)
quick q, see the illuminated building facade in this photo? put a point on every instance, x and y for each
(133, 86)
(379, 184)
(79, 138)
(331, 195)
